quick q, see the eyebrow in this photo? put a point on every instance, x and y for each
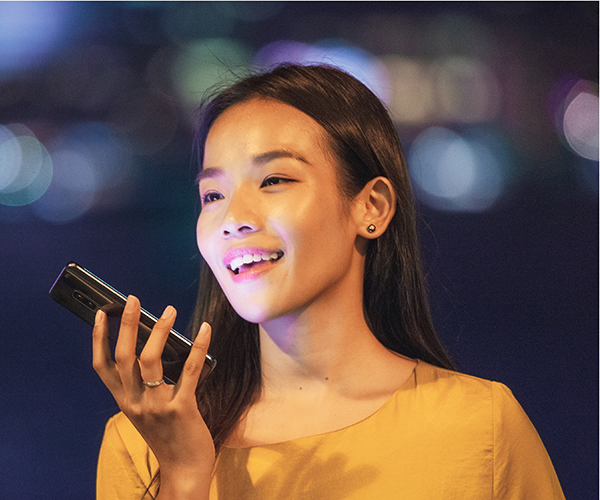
(257, 160)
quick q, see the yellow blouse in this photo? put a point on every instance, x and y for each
(442, 435)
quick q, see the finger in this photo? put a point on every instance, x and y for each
(192, 369)
(101, 358)
(150, 357)
(125, 355)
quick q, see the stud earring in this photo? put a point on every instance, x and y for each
(371, 228)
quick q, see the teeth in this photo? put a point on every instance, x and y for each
(250, 258)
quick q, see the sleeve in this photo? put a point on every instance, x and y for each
(522, 467)
(127, 467)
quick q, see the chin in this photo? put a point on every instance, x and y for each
(251, 313)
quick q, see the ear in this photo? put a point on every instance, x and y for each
(374, 207)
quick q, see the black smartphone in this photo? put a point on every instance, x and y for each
(83, 293)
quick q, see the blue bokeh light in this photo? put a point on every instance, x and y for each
(29, 33)
(72, 191)
(455, 173)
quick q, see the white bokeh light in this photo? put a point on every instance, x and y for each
(580, 125)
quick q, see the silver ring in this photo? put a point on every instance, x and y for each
(154, 384)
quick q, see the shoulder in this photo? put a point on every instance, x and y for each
(446, 386)
(441, 386)
(468, 397)
(481, 411)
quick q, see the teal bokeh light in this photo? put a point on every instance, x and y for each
(25, 167)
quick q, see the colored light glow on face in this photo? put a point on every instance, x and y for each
(300, 218)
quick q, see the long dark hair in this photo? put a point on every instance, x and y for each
(363, 139)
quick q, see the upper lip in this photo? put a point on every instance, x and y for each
(241, 251)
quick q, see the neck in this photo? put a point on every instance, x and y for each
(327, 343)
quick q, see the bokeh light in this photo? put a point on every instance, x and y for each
(413, 99)
(25, 166)
(102, 146)
(205, 63)
(580, 125)
(10, 157)
(92, 168)
(364, 66)
(456, 173)
(574, 105)
(452, 90)
(29, 31)
(468, 91)
(72, 191)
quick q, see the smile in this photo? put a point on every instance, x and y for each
(244, 262)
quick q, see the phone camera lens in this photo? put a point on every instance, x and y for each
(84, 300)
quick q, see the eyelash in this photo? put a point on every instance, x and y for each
(205, 197)
(280, 180)
(266, 183)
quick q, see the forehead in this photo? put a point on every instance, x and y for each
(257, 126)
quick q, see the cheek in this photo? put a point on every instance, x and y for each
(203, 240)
(199, 236)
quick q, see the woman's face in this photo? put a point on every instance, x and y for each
(273, 227)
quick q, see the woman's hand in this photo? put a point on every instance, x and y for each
(165, 415)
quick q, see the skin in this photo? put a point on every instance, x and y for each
(269, 185)
(166, 416)
(319, 358)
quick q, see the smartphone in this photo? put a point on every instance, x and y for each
(83, 293)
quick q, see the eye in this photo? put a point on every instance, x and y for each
(274, 180)
(210, 197)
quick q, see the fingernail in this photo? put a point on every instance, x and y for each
(98, 318)
(168, 312)
(129, 303)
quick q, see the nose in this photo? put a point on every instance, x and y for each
(240, 218)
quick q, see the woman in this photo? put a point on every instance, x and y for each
(331, 382)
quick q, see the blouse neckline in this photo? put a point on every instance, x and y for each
(410, 382)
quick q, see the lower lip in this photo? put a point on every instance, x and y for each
(254, 273)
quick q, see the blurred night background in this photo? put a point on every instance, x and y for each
(496, 105)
